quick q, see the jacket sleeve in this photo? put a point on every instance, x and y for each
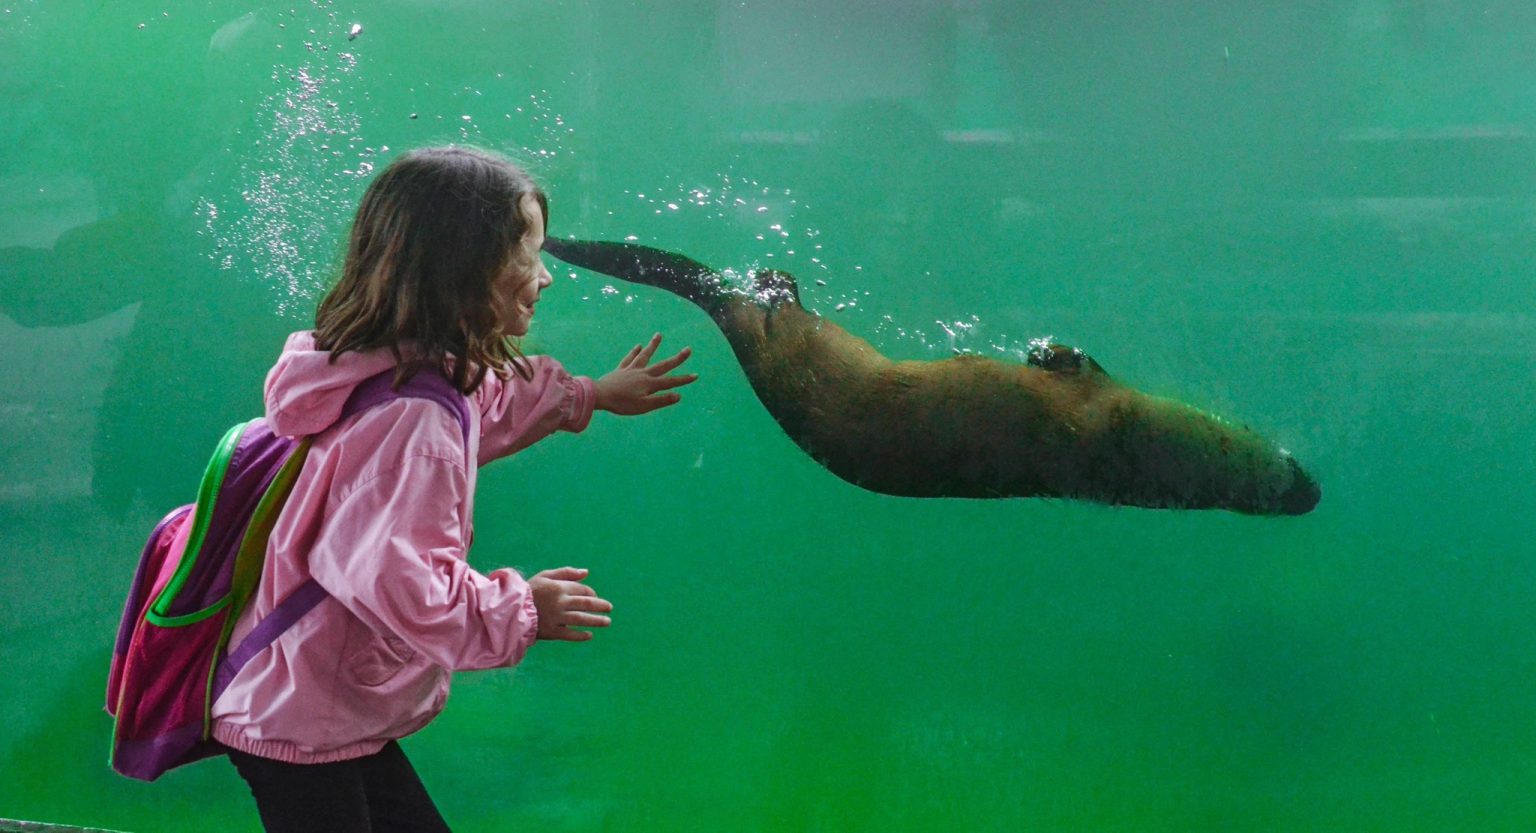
(393, 554)
(517, 412)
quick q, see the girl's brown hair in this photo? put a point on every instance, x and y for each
(433, 233)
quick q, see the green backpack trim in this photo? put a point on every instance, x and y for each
(213, 478)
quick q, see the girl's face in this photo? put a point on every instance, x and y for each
(518, 287)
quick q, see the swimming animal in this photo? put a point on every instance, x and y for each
(1056, 425)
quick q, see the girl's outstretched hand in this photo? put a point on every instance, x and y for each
(564, 603)
(637, 387)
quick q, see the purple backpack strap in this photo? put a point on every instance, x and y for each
(425, 384)
(282, 617)
(376, 390)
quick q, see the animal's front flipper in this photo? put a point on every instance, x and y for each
(644, 265)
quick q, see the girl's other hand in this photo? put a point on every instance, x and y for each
(564, 603)
(636, 386)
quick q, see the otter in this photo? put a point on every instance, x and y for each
(1055, 426)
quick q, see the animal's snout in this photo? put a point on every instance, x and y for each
(1303, 495)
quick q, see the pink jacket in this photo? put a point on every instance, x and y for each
(381, 518)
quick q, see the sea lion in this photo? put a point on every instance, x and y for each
(1054, 426)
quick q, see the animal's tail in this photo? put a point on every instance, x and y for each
(644, 265)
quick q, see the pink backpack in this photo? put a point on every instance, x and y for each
(198, 570)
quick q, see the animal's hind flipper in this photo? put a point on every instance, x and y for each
(643, 265)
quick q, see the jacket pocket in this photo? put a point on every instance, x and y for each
(379, 660)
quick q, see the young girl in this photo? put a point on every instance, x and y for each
(442, 272)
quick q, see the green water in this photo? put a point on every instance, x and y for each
(1316, 218)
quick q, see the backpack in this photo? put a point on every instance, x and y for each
(197, 571)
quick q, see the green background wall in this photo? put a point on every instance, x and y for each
(1317, 218)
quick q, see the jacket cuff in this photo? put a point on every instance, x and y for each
(531, 616)
(581, 399)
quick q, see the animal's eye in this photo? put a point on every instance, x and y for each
(1056, 358)
(1059, 358)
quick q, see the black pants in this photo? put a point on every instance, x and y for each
(365, 795)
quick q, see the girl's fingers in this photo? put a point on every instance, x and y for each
(669, 382)
(629, 358)
(640, 357)
(670, 363)
(650, 349)
(585, 620)
(566, 574)
(589, 603)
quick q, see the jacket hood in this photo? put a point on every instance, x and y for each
(306, 391)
